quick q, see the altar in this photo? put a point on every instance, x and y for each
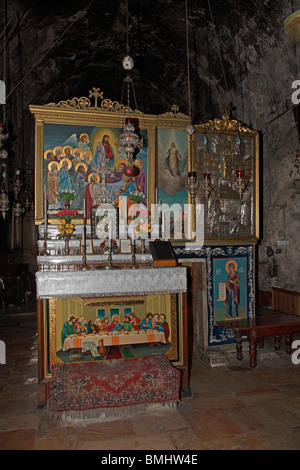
(98, 282)
(158, 293)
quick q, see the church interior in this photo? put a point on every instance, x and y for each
(149, 212)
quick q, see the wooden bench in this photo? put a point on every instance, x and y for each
(266, 323)
(286, 301)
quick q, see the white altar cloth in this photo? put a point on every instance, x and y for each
(111, 282)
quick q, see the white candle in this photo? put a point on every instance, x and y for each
(84, 207)
(109, 231)
(84, 222)
(45, 209)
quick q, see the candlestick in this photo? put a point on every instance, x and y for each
(84, 266)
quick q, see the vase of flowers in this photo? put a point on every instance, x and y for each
(66, 196)
(66, 228)
(105, 245)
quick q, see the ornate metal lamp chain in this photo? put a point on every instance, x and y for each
(187, 55)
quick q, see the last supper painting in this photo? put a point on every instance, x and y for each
(102, 329)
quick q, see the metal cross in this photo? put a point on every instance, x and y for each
(96, 94)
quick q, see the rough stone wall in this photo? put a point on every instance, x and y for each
(270, 81)
(238, 51)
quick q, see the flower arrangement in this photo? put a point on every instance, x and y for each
(66, 195)
(65, 228)
(106, 244)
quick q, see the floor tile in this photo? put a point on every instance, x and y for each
(146, 442)
(158, 423)
(186, 440)
(234, 442)
(57, 442)
(212, 423)
(275, 439)
(260, 395)
(21, 439)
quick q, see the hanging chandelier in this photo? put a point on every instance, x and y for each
(128, 140)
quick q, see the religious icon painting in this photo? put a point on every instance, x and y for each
(230, 288)
(84, 162)
(172, 165)
(104, 328)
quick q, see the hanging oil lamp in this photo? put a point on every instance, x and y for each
(239, 172)
(207, 183)
(192, 184)
(128, 139)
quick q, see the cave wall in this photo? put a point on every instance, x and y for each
(238, 52)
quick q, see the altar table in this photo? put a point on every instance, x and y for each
(266, 323)
(111, 339)
(55, 284)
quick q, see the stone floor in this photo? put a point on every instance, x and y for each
(230, 407)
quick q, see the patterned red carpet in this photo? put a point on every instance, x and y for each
(113, 384)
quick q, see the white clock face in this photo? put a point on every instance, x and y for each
(127, 62)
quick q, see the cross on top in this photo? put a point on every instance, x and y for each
(174, 109)
(226, 110)
(96, 93)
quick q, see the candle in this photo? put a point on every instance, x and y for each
(239, 173)
(45, 210)
(84, 222)
(206, 176)
(84, 208)
(109, 231)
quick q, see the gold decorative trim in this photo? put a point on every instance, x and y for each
(54, 359)
(225, 124)
(173, 113)
(85, 103)
(106, 303)
(292, 25)
(173, 353)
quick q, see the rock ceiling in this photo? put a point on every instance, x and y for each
(60, 49)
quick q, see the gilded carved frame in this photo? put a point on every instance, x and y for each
(104, 114)
(175, 353)
(211, 142)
